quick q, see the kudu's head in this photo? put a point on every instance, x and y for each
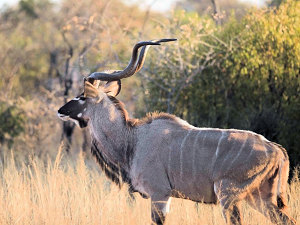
(78, 108)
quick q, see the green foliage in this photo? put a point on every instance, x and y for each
(223, 7)
(276, 3)
(12, 121)
(46, 49)
(264, 74)
(244, 75)
(28, 6)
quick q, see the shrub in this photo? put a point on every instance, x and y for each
(242, 75)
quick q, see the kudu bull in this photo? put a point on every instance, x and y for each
(162, 156)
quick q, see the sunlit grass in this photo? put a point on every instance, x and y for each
(68, 192)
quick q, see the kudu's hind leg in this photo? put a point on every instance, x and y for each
(159, 210)
(231, 212)
(230, 202)
(267, 200)
(279, 216)
(271, 206)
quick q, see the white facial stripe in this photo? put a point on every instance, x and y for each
(75, 121)
(79, 115)
(62, 116)
(76, 99)
(66, 118)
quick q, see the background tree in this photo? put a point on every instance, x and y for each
(242, 75)
(219, 10)
(48, 59)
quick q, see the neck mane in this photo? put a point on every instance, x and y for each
(117, 169)
(134, 122)
(113, 171)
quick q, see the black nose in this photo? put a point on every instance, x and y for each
(62, 111)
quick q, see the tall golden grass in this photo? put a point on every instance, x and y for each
(68, 191)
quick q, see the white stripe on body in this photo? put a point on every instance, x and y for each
(194, 156)
(169, 160)
(238, 154)
(181, 153)
(167, 207)
(218, 146)
(266, 149)
(254, 142)
(279, 179)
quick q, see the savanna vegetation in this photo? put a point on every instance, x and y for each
(233, 66)
(75, 193)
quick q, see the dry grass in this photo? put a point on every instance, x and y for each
(64, 192)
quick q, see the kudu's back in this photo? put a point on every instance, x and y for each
(193, 159)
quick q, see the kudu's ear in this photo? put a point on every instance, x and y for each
(112, 88)
(90, 91)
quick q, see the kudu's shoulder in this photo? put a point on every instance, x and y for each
(160, 118)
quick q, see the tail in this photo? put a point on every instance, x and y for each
(280, 178)
(283, 174)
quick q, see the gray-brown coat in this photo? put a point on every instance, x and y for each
(162, 156)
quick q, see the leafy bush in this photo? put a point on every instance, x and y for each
(242, 75)
(12, 121)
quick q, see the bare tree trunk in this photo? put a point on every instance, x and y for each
(86, 140)
(52, 71)
(217, 14)
(66, 137)
(68, 126)
(68, 79)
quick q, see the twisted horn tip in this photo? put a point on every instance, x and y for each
(142, 43)
(167, 40)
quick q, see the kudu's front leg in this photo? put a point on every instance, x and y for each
(159, 210)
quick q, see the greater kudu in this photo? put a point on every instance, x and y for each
(162, 156)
